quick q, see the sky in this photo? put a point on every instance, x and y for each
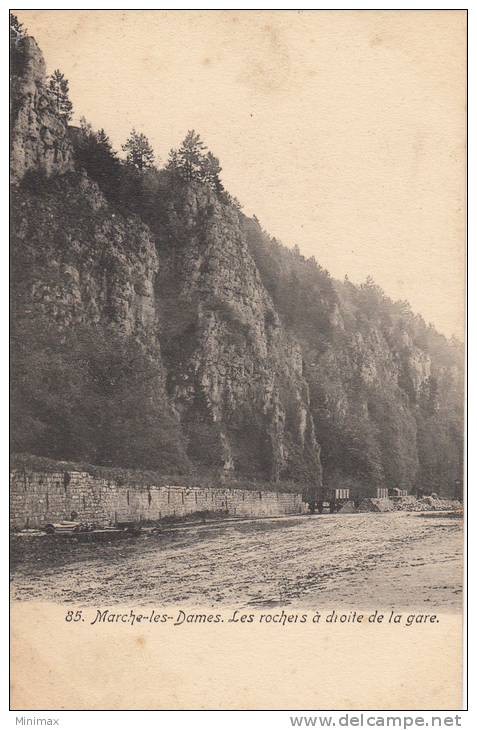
(343, 131)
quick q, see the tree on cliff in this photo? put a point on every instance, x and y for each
(139, 153)
(59, 92)
(190, 155)
(192, 161)
(173, 167)
(17, 34)
(211, 170)
(94, 152)
(17, 30)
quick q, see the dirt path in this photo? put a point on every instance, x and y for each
(394, 560)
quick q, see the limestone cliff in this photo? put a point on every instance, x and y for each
(154, 325)
(234, 378)
(386, 390)
(78, 260)
(39, 138)
(231, 365)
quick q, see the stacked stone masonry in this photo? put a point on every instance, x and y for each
(38, 498)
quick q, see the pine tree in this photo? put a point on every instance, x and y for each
(94, 152)
(173, 162)
(190, 156)
(139, 153)
(192, 161)
(173, 166)
(211, 170)
(103, 139)
(59, 92)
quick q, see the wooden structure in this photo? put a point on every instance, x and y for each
(397, 492)
(332, 498)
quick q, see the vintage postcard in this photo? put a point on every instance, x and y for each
(237, 359)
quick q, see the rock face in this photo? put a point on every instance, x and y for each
(80, 263)
(39, 135)
(234, 378)
(386, 390)
(209, 345)
(239, 374)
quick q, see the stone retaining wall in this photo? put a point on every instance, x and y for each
(37, 498)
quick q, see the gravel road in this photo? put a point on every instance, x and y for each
(394, 560)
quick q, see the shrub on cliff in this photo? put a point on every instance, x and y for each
(58, 89)
(95, 154)
(17, 35)
(302, 291)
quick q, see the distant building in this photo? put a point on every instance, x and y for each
(381, 492)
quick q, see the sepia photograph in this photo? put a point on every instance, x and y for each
(237, 291)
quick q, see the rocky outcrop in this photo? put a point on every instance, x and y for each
(386, 390)
(239, 372)
(39, 139)
(80, 262)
